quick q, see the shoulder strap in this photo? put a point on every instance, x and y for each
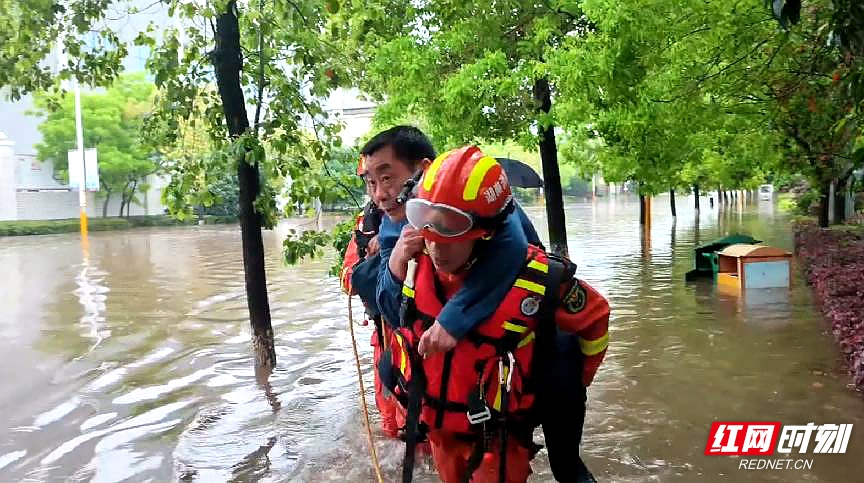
(560, 269)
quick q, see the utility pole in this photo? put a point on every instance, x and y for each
(82, 185)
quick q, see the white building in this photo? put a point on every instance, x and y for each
(354, 113)
(30, 191)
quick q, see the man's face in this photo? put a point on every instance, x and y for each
(385, 177)
(450, 257)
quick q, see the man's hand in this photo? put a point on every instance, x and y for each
(409, 244)
(372, 247)
(436, 339)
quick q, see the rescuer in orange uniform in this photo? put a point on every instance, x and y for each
(363, 249)
(480, 399)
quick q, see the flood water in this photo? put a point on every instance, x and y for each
(134, 363)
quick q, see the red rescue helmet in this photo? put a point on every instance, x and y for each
(463, 195)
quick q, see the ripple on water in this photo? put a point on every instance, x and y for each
(169, 391)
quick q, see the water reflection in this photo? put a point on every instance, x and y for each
(136, 364)
(91, 295)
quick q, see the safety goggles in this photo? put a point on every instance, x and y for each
(442, 219)
(448, 221)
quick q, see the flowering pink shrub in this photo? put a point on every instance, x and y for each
(833, 262)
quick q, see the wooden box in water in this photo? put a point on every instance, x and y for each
(754, 266)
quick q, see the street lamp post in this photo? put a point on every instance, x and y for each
(82, 185)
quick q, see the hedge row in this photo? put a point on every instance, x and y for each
(47, 227)
(833, 261)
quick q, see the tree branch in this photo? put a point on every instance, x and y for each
(260, 97)
(793, 131)
(324, 161)
(812, 74)
(773, 55)
(299, 12)
(733, 63)
(692, 32)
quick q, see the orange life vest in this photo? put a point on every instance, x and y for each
(489, 368)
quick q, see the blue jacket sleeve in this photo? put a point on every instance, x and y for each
(489, 280)
(364, 280)
(389, 288)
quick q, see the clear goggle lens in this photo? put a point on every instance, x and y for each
(442, 219)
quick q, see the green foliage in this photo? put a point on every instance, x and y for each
(311, 243)
(340, 238)
(806, 200)
(334, 182)
(287, 72)
(634, 92)
(226, 195)
(112, 124)
(701, 93)
(786, 203)
(631, 82)
(466, 69)
(305, 244)
(31, 30)
(294, 63)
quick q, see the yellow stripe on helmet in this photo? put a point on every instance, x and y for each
(432, 171)
(475, 179)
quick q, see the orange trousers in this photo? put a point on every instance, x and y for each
(451, 456)
(392, 413)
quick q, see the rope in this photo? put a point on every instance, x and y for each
(372, 451)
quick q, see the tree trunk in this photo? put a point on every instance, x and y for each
(123, 198)
(696, 192)
(551, 175)
(130, 198)
(696, 238)
(840, 201)
(105, 204)
(227, 61)
(672, 203)
(824, 198)
(642, 214)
